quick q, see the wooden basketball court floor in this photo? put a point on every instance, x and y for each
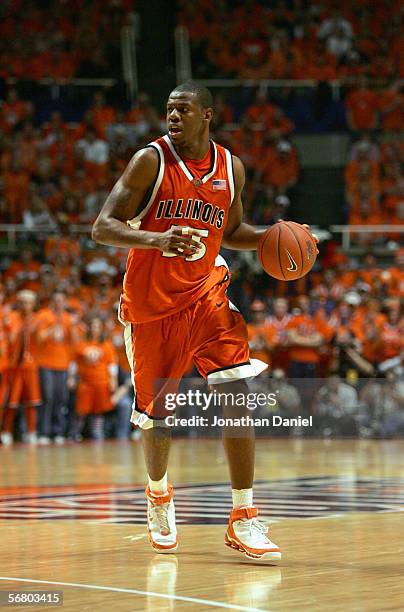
(71, 520)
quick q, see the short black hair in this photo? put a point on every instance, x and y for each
(202, 93)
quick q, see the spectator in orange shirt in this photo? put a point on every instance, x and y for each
(318, 70)
(142, 112)
(278, 323)
(13, 110)
(103, 293)
(368, 271)
(279, 125)
(260, 339)
(52, 128)
(393, 179)
(382, 66)
(46, 284)
(361, 168)
(103, 114)
(253, 68)
(65, 243)
(23, 378)
(397, 275)
(27, 145)
(393, 150)
(366, 215)
(261, 111)
(223, 113)
(54, 354)
(16, 185)
(362, 107)
(368, 316)
(59, 65)
(391, 105)
(251, 47)
(305, 339)
(95, 375)
(392, 335)
(277, 65)
(124, 394)
(282, 171)
(370, 341)
(247, 145)
(25, 269)
(397, 218)
(364, 184)
(4, 352)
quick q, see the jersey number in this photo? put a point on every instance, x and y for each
(202, 233)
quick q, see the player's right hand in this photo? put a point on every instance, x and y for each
(179, 241)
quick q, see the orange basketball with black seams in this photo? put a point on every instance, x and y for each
(287, 250)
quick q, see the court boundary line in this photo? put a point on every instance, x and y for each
(206, 602)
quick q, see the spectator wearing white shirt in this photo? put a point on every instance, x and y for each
(94, 149)
(38, 216)
(334, 23)
(339, 43)
(335, 407)
(364, 148)
(94, 201)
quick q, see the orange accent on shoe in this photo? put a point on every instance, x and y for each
(244, 512)
(160, 499)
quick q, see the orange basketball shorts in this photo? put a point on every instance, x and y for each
(211, 332)
(92, 399)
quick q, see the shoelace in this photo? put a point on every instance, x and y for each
(161, 513)
(257, 527)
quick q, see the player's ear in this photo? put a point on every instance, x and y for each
(208, 114)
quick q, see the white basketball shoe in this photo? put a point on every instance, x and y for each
(161, 525)
(247, 534)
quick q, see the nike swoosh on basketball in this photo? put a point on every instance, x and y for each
(293, 264)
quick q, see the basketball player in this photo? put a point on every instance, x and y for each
(176, 203)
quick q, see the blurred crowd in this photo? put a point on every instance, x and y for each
(62, 356)
(56, 172)
(295, 39)
(374, 185)
(63, 39)
(59, 172)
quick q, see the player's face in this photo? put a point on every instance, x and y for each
(186, 119)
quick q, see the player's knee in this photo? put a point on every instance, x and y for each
(233, 398)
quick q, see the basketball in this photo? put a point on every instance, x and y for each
(287, 251)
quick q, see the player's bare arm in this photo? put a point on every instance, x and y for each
(123, 203)
(238, 235)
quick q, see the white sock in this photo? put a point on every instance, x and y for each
(242, 497)
(159, 486)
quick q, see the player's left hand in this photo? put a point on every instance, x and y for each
(314, 235)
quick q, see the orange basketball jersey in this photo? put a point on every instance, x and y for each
(159, 284)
